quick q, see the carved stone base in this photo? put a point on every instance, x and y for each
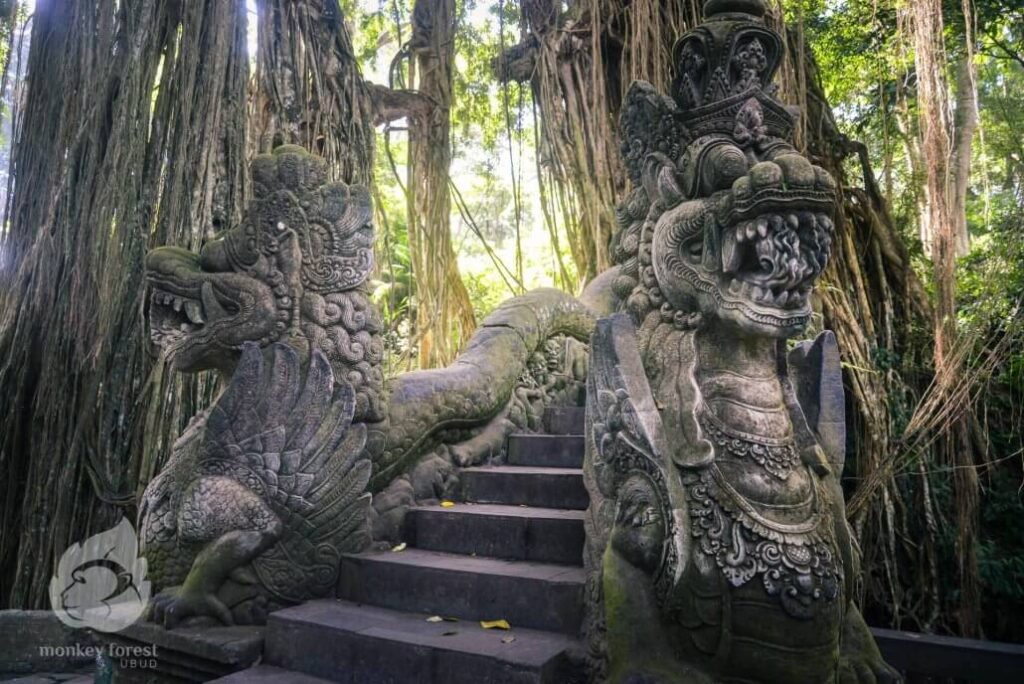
(187, 654)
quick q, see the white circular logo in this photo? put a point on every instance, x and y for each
(101, 584)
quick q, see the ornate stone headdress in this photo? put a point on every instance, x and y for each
(724, 72)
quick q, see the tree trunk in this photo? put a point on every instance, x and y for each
(578, 64)
(946, 149)
(309, 88)
(100, 170)
(444, 313)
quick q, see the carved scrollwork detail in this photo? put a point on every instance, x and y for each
(778, 459)
(795, 563)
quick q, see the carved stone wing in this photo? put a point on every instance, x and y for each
(623, 423)
(295, 433)
(817, 379)
(625, 438)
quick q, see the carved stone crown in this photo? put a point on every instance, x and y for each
(332, 222)
(725, 62)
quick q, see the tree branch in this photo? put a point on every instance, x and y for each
(1005, 49)
(391, 104)
(516, 64)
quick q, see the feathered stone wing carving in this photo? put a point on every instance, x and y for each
(294, 434)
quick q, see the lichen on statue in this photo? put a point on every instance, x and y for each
(294, 269)
(264, 492)
(718, 547)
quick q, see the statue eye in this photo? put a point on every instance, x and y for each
(694, 249)
(721, 166)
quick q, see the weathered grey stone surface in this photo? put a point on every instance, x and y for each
(190, 654)
(717, 543)
(261, 496)
(265, 491)
(558, 451)
(355, 643)
(467, 562)
(541, 486)
(564, 420)
(545, 535)
(26, 640)
(270, 674)
(534, 595)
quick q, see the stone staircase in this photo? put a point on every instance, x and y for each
(511, 549)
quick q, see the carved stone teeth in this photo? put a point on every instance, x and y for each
(792, 221)
(735, 287)
(211, 307)
(782, 299)
(741, 233)
(757, 294)
(731, 255)
(194, 311)
(751, 230)
(762, 226)
(177, 303)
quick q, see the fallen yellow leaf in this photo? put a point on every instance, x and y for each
(400, 547)
(435, 618)
(495, 624)
(447, 504)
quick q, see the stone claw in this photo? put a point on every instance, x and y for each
(867, 671)
(175, 604)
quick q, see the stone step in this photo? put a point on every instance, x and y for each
(271, 675)
(564, 420)
(527, 486)
(360, 644)
(557, 451)
(527, 594)
(545, 535)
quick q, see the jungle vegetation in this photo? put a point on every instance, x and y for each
(487, 133)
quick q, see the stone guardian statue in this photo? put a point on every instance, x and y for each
(718, 547)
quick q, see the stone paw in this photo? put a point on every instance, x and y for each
(174, 604)
(867, 669)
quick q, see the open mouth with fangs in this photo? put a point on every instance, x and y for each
(173, 317)
(770, 262)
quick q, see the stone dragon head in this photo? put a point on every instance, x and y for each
(728, 219)
(294, 269)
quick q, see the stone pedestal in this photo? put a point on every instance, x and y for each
(148, 653)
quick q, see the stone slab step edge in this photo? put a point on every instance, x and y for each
(271, 675)
(531, 595)
(348, 642)
(545, 535)
(525, 486)
(558, 451)
(564, 420)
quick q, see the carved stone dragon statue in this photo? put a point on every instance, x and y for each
(718, 547)
(264, 492)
